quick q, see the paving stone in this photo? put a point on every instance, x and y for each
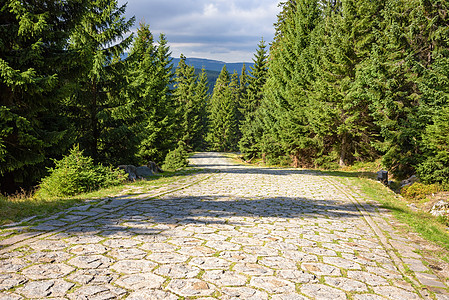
(368, 278)
(84, 239)
(167, 257)
(368, 297)
(93, 276)
(253, 269)
(88, 249)
(237, 293)
(280, 263)
(297, 276)
(222, 245)
(197, 251)
(9, 296)
(47, 271)
(121, 243)
(272, 285)
(133, 266)
(288, 296)
(342, 263)
(224, 278)
(48, 245)
(260, 250)
(158, 247)
(45, 288)
(392, 292)
(178, 271)
(8, 281)
(12, 265)
(97, 292)
(208, 263)
(149, 294)
(48, 257)
(238, 256)
(191, 287)
(127, 253)
(91, 262)
(140, 281)
(321, 269)
(299, 256)
(319, 251)
(429, 280)
(389, 274)
(186, 242)
(322, 292)
(346, 284)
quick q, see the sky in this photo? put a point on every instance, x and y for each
(225, 30)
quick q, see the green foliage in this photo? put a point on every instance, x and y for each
(176, 159)
(418, 190)
(435, 167)
(76, 174)
(35, 70)
(223, 113)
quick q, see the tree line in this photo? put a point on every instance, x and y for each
(343, 81)
(349, 81)
(71, 74)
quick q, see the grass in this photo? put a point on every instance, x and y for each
(23, 205)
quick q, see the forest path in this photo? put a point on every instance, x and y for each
(229, 232)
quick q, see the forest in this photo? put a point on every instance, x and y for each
(343, 81)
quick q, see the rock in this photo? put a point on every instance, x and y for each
(409, 181)
(130, 170)
(154, 167)
(143, 172)
(440, 208)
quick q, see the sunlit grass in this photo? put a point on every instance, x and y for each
(23, 205)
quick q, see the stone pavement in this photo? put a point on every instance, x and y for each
(230, 232)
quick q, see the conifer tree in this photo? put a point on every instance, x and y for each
(201, 98)
(158, 128)
(35, 73)
(250, 126)
(222, 127)
(100, 42)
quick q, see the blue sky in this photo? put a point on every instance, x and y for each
(227, 30)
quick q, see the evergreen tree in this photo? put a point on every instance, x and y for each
(35, 73)
(100, 42)
(250, 127)
(158, 130)
(201, 99)
(222, 114)
(188, 118)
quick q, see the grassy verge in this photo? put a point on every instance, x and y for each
(23, 205)
(429, 227)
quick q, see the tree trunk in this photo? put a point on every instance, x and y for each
(343, 150)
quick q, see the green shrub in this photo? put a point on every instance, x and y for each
(176, 159)
(419, 190)
(75, 174)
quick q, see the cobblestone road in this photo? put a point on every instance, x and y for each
(231, 232)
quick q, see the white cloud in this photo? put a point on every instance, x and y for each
(227, 30)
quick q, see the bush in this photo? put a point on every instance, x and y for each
(419, 190)
(75, 174)
(176, 159)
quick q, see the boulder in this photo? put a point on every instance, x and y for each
(154, 167)
(409, 181)
(130, 170)
(143, 172)
(440, 208)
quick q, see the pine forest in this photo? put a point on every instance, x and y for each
(343, 81)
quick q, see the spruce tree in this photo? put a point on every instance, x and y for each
(100, 42)
(222, 127)
(201, 99)
(35, 74)
(157, 131)
(250, 126)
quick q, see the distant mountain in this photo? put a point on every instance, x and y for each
(213, 65)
